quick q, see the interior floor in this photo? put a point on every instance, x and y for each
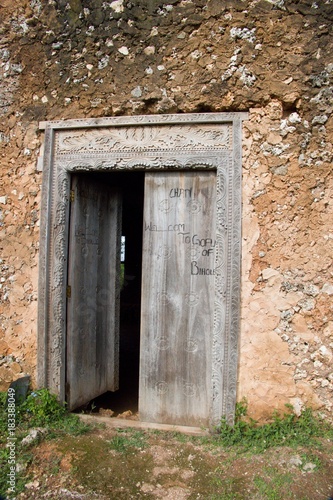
(126, 398)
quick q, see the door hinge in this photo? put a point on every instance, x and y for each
(68, 292)
(72, 195)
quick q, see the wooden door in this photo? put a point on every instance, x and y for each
(93, 302)
(177, 297)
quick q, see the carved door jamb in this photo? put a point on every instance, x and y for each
(146, 143)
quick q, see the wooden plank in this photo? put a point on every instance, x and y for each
(177, 297)
(93, 305)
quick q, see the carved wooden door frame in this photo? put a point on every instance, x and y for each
(146, 143)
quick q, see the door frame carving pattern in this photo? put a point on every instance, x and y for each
(146, 143)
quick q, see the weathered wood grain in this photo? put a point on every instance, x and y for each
(93, 305)
(177, 297)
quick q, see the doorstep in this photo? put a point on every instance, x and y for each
(137, 424)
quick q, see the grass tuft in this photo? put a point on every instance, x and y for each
(128, 440)
(285, 430)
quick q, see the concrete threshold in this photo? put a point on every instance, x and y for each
(137, 424)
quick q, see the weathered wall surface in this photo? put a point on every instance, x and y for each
(70, 59)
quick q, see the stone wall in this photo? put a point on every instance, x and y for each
(72, 59)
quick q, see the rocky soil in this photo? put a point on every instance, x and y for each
(128, 463)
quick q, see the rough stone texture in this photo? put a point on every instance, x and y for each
(71, 59)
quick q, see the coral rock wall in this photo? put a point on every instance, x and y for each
(71, 59)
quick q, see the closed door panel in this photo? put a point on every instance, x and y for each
(177, 297)
(93, 305)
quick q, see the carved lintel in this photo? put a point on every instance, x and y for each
(133, 140)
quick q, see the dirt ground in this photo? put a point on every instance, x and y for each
(127, 463)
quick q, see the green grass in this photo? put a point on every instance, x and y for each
(128, 440)
(275, 485)
(40, 409)
(285, 430)
(103, 471)
(233, 489)
(310, 458)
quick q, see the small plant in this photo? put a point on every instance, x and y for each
(119, 443)
(42, 408)
(310, 458)
(124, 442)
(180, 437)
(287, 430)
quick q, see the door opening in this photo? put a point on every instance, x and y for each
(131, 187)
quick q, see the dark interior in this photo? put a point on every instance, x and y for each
(126, 398)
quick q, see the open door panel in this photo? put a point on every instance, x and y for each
(177, 311)
(94, 289)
